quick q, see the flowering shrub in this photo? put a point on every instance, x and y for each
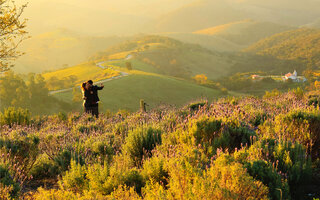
(9, 188)
(74, 179)
(297, 125)
(44, 168)
(263, 171)
(23, 149)
(97, 175)
(154, 170)
(12, 116)
(140, 142)
(195, 106)
(99, 148)
(19, 152)
(268, 159)
(225, 179)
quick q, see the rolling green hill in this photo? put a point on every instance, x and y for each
(171, 57)
(126, 92)
(300, 44)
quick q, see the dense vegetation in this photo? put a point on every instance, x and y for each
(235, 148)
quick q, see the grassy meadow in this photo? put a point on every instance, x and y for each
(126, 92)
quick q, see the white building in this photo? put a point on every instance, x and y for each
(294, 77)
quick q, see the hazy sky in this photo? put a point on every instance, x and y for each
(137, 7)
(47, 14)
(133, 16)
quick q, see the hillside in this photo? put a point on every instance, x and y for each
(211, 42)
(58, 48)
(164, 55)
(300, 44)
(125, 93)
(170, 57)
(244, 32)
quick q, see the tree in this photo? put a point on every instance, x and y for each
(53, 83)
(40, 101)
(201, 78)
(173, 62)
(12, 32)
(13, 91)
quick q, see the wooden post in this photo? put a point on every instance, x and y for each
(142, 106)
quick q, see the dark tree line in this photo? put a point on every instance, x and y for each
(31, 93)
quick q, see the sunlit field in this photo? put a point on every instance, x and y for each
(125, 93)
(79, 74)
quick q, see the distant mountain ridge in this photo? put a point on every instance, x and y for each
(209, 13)
(211, 42)
(232, 36)
(244, 32)
(198, 15)
(315, 24)
(301, 44)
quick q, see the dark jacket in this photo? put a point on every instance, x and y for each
(91, 96)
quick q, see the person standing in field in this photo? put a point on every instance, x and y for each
(91, 99)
